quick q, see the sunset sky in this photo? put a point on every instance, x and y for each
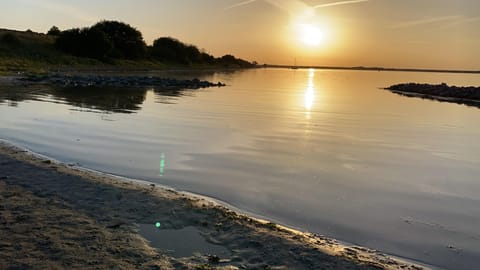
(390, 33)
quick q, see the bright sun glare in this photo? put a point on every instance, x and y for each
(310, 35)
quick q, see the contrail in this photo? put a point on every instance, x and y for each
(428, 21)
(240, 4)
(293, 6)
(339, 3)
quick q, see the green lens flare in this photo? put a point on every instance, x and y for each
(158, 224)
(162, 164)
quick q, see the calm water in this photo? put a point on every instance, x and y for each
(320, 150)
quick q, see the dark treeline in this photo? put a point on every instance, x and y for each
(109, 40)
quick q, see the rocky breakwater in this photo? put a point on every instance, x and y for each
(117, 81)
(469, 95)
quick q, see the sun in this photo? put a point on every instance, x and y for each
(310, 35)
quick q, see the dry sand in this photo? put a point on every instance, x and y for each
(54, 216)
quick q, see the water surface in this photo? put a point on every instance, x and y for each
(319, 150)
(185, 242)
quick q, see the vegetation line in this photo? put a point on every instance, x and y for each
(106, 44)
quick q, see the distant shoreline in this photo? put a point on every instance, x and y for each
(361, 68)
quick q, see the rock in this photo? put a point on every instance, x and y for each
(441, 90)
(118, 81)
(213, 259)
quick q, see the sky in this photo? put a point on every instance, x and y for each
(390, 33)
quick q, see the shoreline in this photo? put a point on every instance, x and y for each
(121, 213)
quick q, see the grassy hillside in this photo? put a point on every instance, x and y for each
(35, 52)
(27, 51)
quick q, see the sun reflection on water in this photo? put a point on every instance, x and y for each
(310, 93)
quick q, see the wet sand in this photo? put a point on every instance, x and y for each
(56, 216)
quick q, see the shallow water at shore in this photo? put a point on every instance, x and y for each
(183, 242)
(324, 151)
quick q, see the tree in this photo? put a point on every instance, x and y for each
(86, 42)
(230, 60)
(172, 50)
(54, 31)
(106, 39)
(127, 41)
(97, 45)
(68, 41)
(167, 49)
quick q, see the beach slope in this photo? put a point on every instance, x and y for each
(56, 216)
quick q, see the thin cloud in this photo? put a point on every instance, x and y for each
(62, 8)
(339, 3)
(293, 6)
(413, 23)
(240, 4)
(463, 21)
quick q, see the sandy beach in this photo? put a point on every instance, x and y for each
(55, 216)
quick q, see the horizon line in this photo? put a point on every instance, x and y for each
(374, 68)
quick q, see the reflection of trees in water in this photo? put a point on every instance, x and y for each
(168, 96)
(12, 95)
(94, 99)
(120, 100)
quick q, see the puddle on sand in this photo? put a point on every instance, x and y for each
(180, 243)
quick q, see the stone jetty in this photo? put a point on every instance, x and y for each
(439, 90)
(467, 95)
(117, 81)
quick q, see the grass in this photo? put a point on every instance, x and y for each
(34, 52)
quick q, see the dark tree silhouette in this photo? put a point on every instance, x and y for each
(167, 49)
(54, 31)
(106, 39)
(127, 41)
(97, 44)
(86, 42)
(111, 39)
(172, 50)
(229, 60)
(70, 41)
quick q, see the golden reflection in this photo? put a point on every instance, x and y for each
(310, 93)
